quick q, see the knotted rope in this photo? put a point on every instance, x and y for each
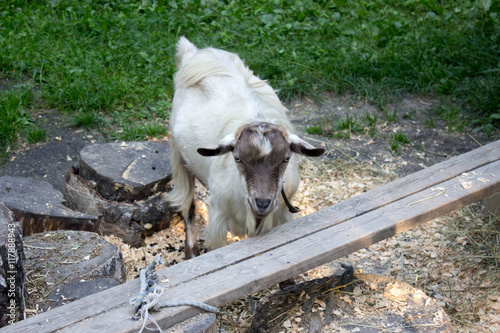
(149, 298)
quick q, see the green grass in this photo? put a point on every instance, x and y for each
(343, 128)
(390, 117)
(15, 120)
(87, 120)
(316, 129)
(401, 138)
(455, 120)
(134, 132)
(429, 123)
(116, 57)
(397, 140)
(34, 135)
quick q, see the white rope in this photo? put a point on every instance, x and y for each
(150, 301)
(149, 298)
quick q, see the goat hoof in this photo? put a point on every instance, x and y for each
(287, 283)
(191, 253)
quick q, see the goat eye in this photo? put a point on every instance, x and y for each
(237, 159)
(286, 160)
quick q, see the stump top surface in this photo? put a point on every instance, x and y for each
(132, 163)
(64, 255)
(34, 196)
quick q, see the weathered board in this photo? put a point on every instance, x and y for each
(245, 267)
(202, 323)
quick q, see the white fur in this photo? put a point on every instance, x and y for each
(263, 144)
(215, 95)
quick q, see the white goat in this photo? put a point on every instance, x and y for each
(219, 102)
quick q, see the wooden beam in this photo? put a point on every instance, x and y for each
(245, 267)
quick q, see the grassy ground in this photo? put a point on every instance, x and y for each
(109, 64)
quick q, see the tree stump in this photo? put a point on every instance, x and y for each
(130, 221)
(68, 265)
(362, 303)
(124, 184)
(12, 276)
(127, 171)
(38, 206)
(75, 290)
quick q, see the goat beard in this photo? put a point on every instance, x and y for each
(258, 224)
(259, 219)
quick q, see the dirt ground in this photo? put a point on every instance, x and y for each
(50, 160)
(433, 260)
(429, 145)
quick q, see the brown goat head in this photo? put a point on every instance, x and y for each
(261, 152)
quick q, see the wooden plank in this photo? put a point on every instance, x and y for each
(304, 228)
(306, 253)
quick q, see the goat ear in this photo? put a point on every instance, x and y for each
(299, 146)
(215, 151)
(224, 146)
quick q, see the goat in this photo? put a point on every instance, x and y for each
(229, 130)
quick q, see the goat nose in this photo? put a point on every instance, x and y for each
(263, 204)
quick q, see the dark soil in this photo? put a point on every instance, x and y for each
(428, 145)
(51, 160)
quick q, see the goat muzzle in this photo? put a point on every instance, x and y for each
(262, 205)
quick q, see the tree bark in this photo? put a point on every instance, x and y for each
(12, 275)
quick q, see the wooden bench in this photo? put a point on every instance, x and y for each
(248, 266)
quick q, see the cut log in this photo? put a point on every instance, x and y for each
(64, 261)
(130, 221)
(123, 184)
(38, 206)
(12, 276)
(127, 171)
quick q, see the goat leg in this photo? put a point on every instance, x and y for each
(191, 248)
(287, 283)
